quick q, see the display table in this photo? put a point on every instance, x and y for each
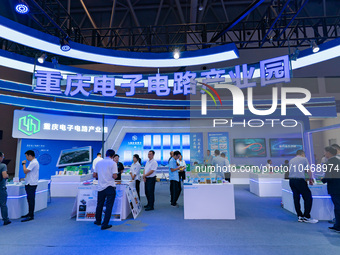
(86, 202)
(67, 185)
(267, 184)
(209, 201)
(239, 177)
(322, 209)
(17, 199)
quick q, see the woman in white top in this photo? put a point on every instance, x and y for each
(181, 162)
(135, 171)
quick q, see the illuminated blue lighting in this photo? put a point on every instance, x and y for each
(22, 196)
(22, 8)
(268, 182)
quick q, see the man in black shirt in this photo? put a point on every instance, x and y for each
(332, 178)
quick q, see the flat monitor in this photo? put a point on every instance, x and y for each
(75, 156)
(250, 147)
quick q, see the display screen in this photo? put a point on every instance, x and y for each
(250, 147)
(77, 156)
(285, 147)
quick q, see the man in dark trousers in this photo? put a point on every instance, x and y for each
(31, 179)
(299, 186)
(106, 171)
(149, 177)
(332, 178)
(3, 191)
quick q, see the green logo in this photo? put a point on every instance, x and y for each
(29, 125)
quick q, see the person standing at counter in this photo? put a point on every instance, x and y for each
(149, 177)
(337, 147)
(182, 164)
(3, 191)
(227, 174)
(208, 159)
(299, 186)
(32, 178)
(219, 163)
(332, 178)
(175, 185)
(96, 160)
(135, 171)
(106, 171)
(120, 167)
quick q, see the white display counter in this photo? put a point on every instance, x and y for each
(209, 201)
(67, 185)
(322, 209)
(17, 199)
(86, 203)
(239, 177)
(127, 177)
(266, 184)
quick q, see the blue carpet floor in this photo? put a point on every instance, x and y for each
(261, 227)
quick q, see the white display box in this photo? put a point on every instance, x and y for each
(209, 201)
(17, 199)
(239, 177)
(322, 208)
(67, 185)
(266, 185)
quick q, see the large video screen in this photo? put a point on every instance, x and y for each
(77, 156)
(285, 147)
(250, 148)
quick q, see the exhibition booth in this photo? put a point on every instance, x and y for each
(78, 117)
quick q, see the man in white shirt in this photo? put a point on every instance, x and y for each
(219, 163)
(149, 177)
(96, 160)
(106, 171)
(32, 178)
(297, 182)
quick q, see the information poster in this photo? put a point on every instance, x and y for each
(196, 148)
(219, 141)
(87, 203)
(133, 199)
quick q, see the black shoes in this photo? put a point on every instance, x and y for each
(97, 223)
(27, 219)
(25, 216)
(106, 227)
(334, 229)
(146, 206)
(7, 223)
(149, 209)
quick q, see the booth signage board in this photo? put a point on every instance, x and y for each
(35, 125)
(219, 141)
(133, 199)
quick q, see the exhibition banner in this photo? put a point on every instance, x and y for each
(133, 199)
(36, 125)
(219, 141)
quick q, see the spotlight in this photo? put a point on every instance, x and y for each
(22, 8)
(315, 47)
(200, 8)
(55, 62)
(295, 54)
(64, 44)
(176, 54)
(42, 58)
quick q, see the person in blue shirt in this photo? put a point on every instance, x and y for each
(175, 185)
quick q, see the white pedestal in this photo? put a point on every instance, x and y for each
(322, 209)
(67, 185)
(266, 185)
(239, 177)
(209, 201)
(17, 199)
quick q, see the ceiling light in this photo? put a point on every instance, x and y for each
(315, 47)
(65, 45)
(176, 54)
(200, 8)
(22, 8)
(42, 58)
